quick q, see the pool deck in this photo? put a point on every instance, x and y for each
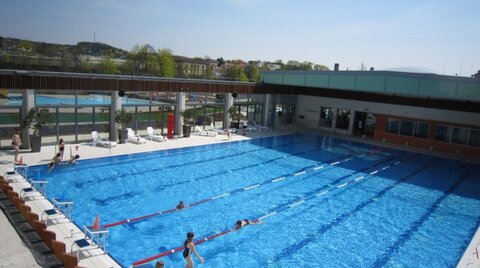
(14, 253)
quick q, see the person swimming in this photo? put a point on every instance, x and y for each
(181, 205)
(242, 223)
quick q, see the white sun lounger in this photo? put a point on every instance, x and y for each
(99, 140)
(155, 136)
(257, 126)
(201, 132)
(135, 138)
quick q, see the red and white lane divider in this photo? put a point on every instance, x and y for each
(291, 205)
(337, 161)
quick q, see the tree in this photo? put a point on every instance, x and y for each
(166, 63)
(307, 66)
(107, 65)
(252, 72)
(234, 72)
(209, 73)
(242, 76)
(139, 62)
(319, 67)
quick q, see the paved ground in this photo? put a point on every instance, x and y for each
(14, 254)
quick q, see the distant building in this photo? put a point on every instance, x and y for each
(97, 59)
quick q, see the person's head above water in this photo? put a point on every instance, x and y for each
(190, 235)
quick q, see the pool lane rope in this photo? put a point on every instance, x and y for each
(335, 161)
(275, 211)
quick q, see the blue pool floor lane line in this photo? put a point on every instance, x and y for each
(313, 168)
(280, 208)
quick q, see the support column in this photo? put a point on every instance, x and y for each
(266, 110)
(351, 123)
(178, 113)
(226, 116)
(114, 107)
(334, 120)
(28, 96)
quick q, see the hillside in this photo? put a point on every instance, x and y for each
(14, 45)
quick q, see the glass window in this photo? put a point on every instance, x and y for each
(474, 138)
(343, 119)
(160, 98)
(326, 116)
(136, 98)
(217, 116)
(11, 97)
(195, 97)
(406, 128)
(442, 133)
(393, 125)
(9, 122)
(57, 97)
(459, 135)
(94, 98)
(421, 130)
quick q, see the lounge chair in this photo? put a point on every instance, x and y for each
(155, 136)
(201, 132)
(135, 138)
(213, 129)
(104, 142)
(257, 126)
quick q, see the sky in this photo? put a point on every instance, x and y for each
(432, 35)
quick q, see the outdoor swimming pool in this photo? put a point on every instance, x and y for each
(325, 202)
(93, 99)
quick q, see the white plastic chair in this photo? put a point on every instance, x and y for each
(155, 136)
(213, 129)
(99, 140)
(135, 138)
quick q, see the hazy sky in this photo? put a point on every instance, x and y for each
(443, 36)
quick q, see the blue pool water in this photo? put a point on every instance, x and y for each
(91, 100)
(398, 209)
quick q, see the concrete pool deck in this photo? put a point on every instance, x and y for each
(16, 254)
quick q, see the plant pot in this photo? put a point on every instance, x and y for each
(122, 135)
(187, 129)
(36, 143)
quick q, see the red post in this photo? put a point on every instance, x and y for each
(171, 123)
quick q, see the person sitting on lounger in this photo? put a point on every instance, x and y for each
(181, 205)
(242, 223)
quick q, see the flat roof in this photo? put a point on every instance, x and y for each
(419, 85)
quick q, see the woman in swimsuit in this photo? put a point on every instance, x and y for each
(189, 248)
(61, 147)
(16, 143)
